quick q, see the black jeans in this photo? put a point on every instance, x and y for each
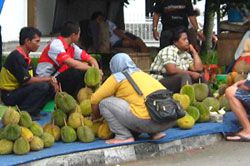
(30, 98)
(71, 80)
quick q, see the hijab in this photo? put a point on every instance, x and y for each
(122, 62)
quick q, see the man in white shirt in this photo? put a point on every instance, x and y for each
(119, 38)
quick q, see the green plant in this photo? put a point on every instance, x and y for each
(210, 58)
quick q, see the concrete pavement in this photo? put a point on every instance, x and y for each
(122, 154)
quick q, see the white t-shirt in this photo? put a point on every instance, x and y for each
(113, 38)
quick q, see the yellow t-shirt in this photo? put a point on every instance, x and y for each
(124, 90)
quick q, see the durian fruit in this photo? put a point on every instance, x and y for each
(84, 93)
(204, 112)
(240, 77)
(104, 131)
(21, 146)
(212, 104)
(68, 134)
(224, 103)
(12, 132)
(92, 77)
(25, 119)
(186, 122)
(26, 134)
(86, 108)
(95, 126)
(36, 129)
(58, 117)
(6, 146)
(36, 144)
(242, 67)
(85, 134)
(194, 112)
(222, 89)
(230, 78)
(48, 140)
(77, 109)
(11, 116)
(52, 129)
(1, 133)
(183, 99)
(75, 120)
(65, 102)
(87, 122)
(188, 90)
(201, 91)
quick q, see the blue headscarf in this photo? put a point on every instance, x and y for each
(121, 62)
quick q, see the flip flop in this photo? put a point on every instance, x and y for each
(240, 138)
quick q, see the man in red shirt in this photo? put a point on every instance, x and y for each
(63, 59)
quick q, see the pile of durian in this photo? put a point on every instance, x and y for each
(199, 106)
(20, 135)
(71, 121)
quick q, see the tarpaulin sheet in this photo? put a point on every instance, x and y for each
(230, 124)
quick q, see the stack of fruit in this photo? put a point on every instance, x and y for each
(198, 105)
(20, 134)
(71, 119)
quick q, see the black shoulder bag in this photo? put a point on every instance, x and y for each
(160, 104)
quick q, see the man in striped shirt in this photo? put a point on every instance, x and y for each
(177, 64)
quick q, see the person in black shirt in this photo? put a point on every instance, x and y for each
(173, 13)
(18, 84)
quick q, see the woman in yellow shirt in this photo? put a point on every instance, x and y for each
(122, 107)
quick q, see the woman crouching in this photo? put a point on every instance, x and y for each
(121, 106)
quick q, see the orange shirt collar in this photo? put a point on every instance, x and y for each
(25, 55)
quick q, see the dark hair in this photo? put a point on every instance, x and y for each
(177, 33)
(69, 28)
(28, 33)
(197, 12)
(96, 14)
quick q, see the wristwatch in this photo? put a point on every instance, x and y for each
(199, 29)
(154, 28)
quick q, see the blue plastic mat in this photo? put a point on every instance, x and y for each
(230, 124)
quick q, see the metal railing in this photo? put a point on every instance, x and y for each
(144, 31)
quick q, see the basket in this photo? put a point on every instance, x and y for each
(142, 60)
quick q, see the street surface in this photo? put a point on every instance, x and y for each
(221, 154)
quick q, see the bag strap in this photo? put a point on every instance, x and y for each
(132, 82)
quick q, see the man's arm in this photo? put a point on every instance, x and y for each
(92, 61)
(197, 66)
(120, 33)
(156, 17)
(77, 64)
(50, 80)
(195, 25)
(172, 69)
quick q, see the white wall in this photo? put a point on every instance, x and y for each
(45, 15)
(13, 18)
(135, 12)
